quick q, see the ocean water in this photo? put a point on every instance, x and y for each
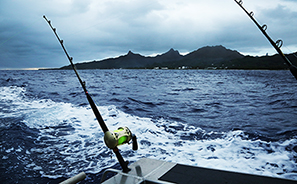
(244, 121)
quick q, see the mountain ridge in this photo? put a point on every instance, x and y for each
(208, 57)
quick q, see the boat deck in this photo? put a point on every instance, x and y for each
(150, 171)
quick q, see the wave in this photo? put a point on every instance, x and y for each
(67, 140)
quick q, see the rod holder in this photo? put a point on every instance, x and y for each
(75, 179)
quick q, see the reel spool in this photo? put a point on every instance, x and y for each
(119, 137)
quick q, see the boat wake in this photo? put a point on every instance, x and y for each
(40, 137)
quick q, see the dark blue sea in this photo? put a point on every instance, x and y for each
(244, 121)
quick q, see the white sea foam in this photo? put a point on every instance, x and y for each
(11, 92)
(70, 141)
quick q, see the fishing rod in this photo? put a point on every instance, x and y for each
(112, 139)
(277, 45)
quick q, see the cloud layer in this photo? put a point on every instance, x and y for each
(95, 29)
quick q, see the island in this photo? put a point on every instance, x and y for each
(209, 57)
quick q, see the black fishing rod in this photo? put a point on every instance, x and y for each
(112, 139)
(277, 45)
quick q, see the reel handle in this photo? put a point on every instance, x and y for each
(134, 142)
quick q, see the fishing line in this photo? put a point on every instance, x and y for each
(12, 38)
(289, 50)
(17, 33)
(6, 52)
(292, 52)
(269, 31)
(273, 35)
(276, 44)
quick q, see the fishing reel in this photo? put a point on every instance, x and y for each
(119, 137)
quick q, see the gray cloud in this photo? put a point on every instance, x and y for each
(94, 29)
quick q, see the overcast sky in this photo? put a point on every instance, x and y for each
(98, 29)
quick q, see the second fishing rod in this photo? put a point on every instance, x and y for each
(277, 45)
(112, 139)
